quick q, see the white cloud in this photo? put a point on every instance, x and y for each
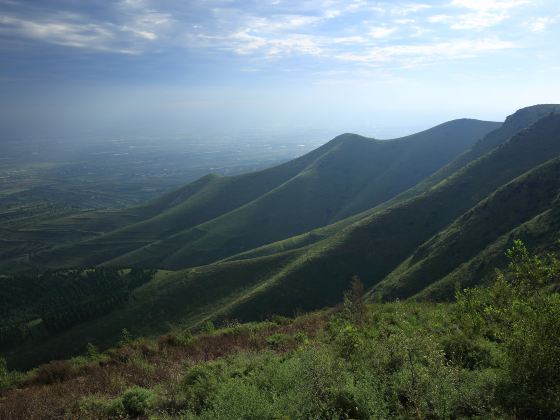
(130, 31)
(330, 14)
(404, 21)
(489, 5)
(381, 32)
(244, 43)
(470, 20)
(482, 13)
(409, 9)
(61, 32)
(540, 24)
(281, 23)
(349, 40)
(440, 18)
(427, 53)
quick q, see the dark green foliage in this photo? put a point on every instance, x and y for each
(497, 216)
(375, 245)
(35, 306)
(495, 353)
(519, 312)
(136, 401)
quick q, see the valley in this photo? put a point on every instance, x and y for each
(290, 238)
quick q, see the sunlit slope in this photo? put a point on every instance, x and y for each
(514, 123)
(377, 244)
(516, 203)
(349, 174)
(117, 232)
(542, 232)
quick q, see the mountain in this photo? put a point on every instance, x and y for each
(375, 245)
(217, 217)
(420, 243)
(527, 197)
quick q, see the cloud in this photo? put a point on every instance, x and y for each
(482, 13)
(489, 5)
(540, 24)
(409, 9)
(422, 54)
(130, 31)
(479, 20)
(359, 31)
(281, 23)
(65, 31)
(381, 32)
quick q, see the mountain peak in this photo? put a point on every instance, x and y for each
(524, 117)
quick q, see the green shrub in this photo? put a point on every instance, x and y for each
(137, 400)
(208, 327)
(468, 352)
(199, 384)
(93, 406)
(520, 314)
(177, 338)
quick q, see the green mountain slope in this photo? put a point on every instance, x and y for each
(518, 121)
(311, 270)
(509, 207)
(220, 217)
(542, 233)
(514, 123)
(170, 299)
(377, 244)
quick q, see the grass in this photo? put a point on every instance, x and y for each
(89, 386)
(379, 242)
(311, 271)
(358, 360)
(217, 217)
(505, 210)
(187, 298)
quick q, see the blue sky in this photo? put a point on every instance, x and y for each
(162, 67)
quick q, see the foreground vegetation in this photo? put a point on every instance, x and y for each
(494, 353)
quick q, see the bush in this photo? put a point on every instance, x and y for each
(520, 314)
(199, 384)
(53, 372)
(137, 400)
(468, 352)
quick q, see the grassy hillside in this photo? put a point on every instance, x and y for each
(187, 298)
(219, 217)
(464, 221)
(476, 358)
(513, 124)
(308, 271)
(375, 245)
(542, 233)
(509, 207)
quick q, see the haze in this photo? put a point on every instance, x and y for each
(210, 67)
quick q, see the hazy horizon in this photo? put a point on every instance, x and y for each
(209, 68)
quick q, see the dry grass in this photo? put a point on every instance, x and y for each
(54, 390)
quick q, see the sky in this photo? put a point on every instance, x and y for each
(169, 67)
